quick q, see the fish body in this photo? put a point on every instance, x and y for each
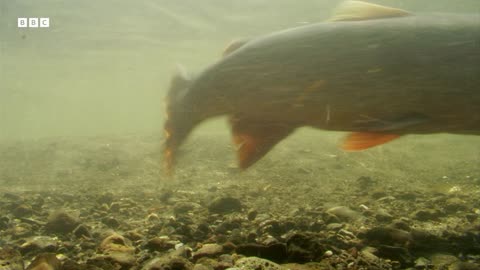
(379, 79)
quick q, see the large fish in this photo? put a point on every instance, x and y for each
(374, 71)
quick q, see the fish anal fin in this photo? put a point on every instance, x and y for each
(359, 10)
(357, 141)
(253, 139)
(234, 45)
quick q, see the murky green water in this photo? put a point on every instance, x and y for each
(103, 66)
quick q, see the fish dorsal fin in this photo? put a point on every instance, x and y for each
(179, 82)
(358, 11)
(234, 45)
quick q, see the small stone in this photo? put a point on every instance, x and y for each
(184, 207)
(115, 207)
(106, 198)
(115, 242)
(45, 261)
(453, 205)
(22, 210)
(39, 244)
(252, 214)
(383, 216)
(328, 253)
(10, 259)
(168, 262)
(208, 250)
(344, 213)
(443, 261)
(388, 236)
(61, 222)
(111, 222)
(225, 205)
(426, 215)
(82, 231)
(421, 263)
(160, 244)
(257, 264)
(117, 249)
(153, 218)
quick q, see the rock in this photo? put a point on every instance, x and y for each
(106, 198)
(344, 213)
(61, 222)
(275, 252)
(453, 205)
(396, 253)
(422, 263)
(10, 259)
(111, 222)
(168, 263)
(4, 223)
(184, 207)
(257, 264)
(383, 216)
(225, 205)
(426, 215)
(252, 214)
(334, 226)
(115, 207)
(22, 210)
(208, 250)
(115, 242)
(464, 266)
(160, 244)
(443, 261)
(202, 267)
(377, 194)
(45, 261)
(388, 236)
(303, 248)
(39, 244)
(82, 231)
(402, 224)
(117, 250)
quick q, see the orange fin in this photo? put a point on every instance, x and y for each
(362, 140)
(254, 139)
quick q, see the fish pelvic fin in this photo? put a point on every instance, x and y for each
(253, 139)
(358, 11)
(357, 141)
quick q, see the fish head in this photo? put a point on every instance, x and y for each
(180, 118)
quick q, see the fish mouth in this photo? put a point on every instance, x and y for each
(175, 134)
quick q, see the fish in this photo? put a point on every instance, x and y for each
(376, 72)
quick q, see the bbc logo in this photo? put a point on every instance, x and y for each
(33, 22)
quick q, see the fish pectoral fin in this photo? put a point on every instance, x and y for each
(234, 45)
(357, 141)
(253, 139)
(359, 10)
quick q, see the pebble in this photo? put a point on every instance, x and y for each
(257, 264)
(10, 259)
(39, 244)
(344, 213)
(61, 222)
(45, 261)
(225, 205)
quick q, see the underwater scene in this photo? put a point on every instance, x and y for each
(239, 134)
